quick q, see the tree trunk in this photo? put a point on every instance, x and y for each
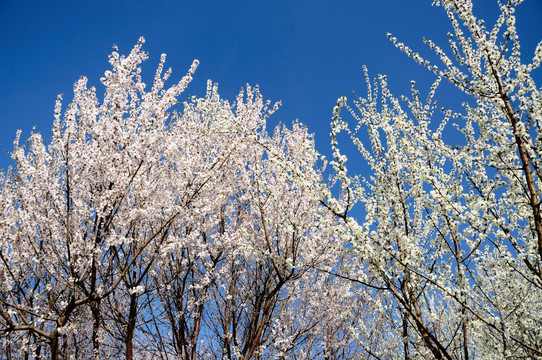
(95, 309)
(130, 328)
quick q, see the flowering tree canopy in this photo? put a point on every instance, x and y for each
(151, 228)
(139, 231)
(452, 231)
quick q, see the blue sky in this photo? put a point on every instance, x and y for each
(305, 53)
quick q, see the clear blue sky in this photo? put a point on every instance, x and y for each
(305, 53)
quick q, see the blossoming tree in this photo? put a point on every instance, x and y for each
(451, 234)
(149, 228)
(139, 231)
